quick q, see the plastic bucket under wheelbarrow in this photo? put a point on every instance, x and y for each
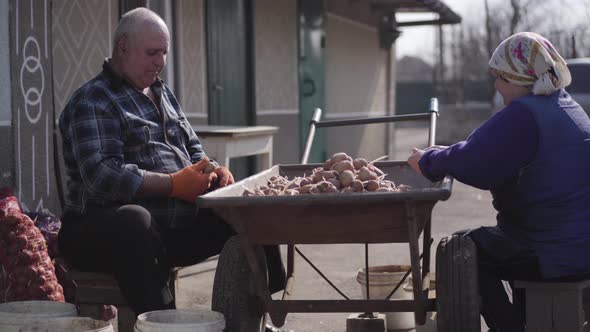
(382, 280)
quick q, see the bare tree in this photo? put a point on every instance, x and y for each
(488, 28)
(516, 15)
(533, 15)
(471, 47)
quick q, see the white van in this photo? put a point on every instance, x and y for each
(580, 87)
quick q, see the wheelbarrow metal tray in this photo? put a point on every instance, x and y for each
(371, 217)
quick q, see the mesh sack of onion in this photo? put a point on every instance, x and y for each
(26, 270)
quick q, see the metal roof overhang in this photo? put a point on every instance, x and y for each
(370, 12)
(445, 14)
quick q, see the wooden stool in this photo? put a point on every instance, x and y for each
(554, 306)
(92, 291)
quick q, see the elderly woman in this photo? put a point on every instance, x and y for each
(534, 157)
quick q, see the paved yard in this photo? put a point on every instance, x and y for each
(467, 207)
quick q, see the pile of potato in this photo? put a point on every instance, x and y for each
(339, 174)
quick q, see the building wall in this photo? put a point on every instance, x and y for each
(81, 31)
(82, 39)
(275, 29)
(63, 40)
(166, 10)
(191, 60)
(32, 104)
(6, 148)
(356, 86)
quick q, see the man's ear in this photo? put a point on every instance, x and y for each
(122, 43)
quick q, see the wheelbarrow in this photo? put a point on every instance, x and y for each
(240, 287)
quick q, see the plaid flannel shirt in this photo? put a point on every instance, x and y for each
(112, 133)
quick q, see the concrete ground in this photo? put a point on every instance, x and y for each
(467, 208)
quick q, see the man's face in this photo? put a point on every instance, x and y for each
(145, 55)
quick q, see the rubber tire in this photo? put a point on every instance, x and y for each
(457, 291)
(233, 290)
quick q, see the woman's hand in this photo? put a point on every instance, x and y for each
(415, 158)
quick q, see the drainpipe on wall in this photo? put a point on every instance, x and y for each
(6, 148)
(391, 77)
(388, 33)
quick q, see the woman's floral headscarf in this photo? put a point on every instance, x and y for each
(528, 59)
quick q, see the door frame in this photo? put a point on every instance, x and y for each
(311, 72)
(217, 112)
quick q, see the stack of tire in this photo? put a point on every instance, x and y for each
(26, 270)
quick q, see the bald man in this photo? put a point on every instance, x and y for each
(134, 168)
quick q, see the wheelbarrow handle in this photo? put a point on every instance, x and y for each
(317, 114)
(316, 123)
(433, 116)
(434, 105)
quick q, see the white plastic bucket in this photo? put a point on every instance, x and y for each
(14, 315)
(69, 324)
(382, 280)
(180, 320)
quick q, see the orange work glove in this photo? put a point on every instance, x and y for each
(191, 181)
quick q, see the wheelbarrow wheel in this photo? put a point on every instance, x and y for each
(456, 285)
(234, 290)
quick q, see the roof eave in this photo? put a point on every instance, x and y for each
(446, 14)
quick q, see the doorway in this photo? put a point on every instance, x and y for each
(231, 80)
(311, 29)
